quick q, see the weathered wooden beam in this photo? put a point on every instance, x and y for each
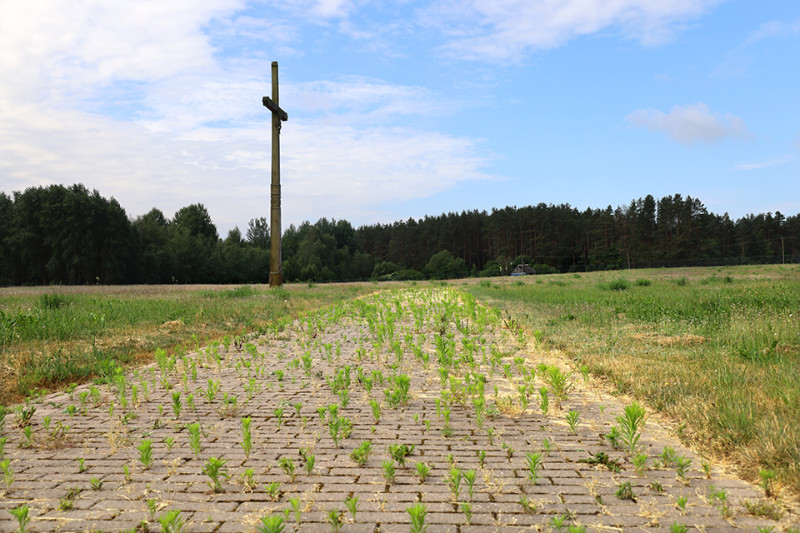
(269, 104)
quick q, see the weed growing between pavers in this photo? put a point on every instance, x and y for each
(406, 400)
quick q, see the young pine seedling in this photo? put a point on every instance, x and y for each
(399, 452)
(534, 462)
(544, 400)
(274, 490)
(177, 405)
(171, 522)
(352, 506)
(296, 510)
(680, 502)
(8, 473)
(247, 436)
(309, 466)
(481, 457)
(21, 513)
(246, 479)
(361, 454)
(682, 464)
(630, 423)
(146, 453)
(389, 471)
(274, 523)
(194, 438)
(288, 467)
(527, 505)
(625, 492)
(335, 520)
(376, 410)
(423, 470)
(639, 462)
(453, 480)
(215, 469)
(469, 477)
(417, 512)
(466, 508)
(278, 412)
(572, 420)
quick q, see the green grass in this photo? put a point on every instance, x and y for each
(52, 336)
(718, 349)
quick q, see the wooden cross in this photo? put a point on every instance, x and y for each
(278, 114)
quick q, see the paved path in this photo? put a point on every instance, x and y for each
(92, 478)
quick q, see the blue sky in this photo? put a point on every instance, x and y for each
(404, 109)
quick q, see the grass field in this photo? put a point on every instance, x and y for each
(715, 349)
(53, 336)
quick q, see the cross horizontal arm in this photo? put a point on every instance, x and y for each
(269, 104)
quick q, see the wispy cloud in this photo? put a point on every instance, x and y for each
(505, 29)
(773, 162)
(740, 59)
(690, 124)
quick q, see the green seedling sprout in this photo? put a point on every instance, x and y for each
(194, 438)
(247, 437)
(8, 473)
(146, 453)
(572, 420)
(417, 512)
(274, 490)
(469, 477)
(247, 480)
(682, 464)
(389, 471)
(176, 404)
(274, 523)
(466, 508)
(22, 515)
(335, 520)
(630, 423)
(171, 522)
(534, 462)
(423, 470)
(544, 401)
(453, 480)
(215, 469)
(295, 503)
(399, 452)
(288, 467)
(361, 454)
(352, 505)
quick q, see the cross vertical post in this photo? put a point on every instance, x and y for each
(278, 115)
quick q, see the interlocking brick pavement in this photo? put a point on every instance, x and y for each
(375, 337)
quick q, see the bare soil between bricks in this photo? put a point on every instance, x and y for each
(80, 465)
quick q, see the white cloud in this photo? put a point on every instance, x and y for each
(504, 29)
(773, 162)
(132, 99)
(58, 49)
(689, 124)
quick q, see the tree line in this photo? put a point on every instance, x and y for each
(70, 235)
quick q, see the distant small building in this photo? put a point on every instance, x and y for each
(523, 270)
